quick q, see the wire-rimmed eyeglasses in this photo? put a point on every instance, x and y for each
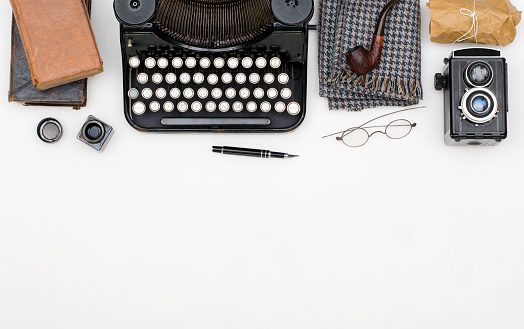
(358, 136)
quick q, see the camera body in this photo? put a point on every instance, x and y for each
(475, 97)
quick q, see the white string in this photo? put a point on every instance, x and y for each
(474, 23)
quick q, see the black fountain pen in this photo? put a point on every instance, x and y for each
(251, 152)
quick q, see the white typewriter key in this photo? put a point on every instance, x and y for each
(162, 63)
(283, 78)
(212, 79)
(147, 93)
(196, 106)
(211, 106)
(185, 78)
(223, 106)
(133, 93)
(280, 107)
(275, 62)
(150, 62)
(240, 78)
(261, 62)
(161, 93)
(202, 93)
(293, 108)
(272, 93)
(285, 93)
(177, 62)
(189, 93)
(142, 78)
(244, 93)
(157, 78)
(216, 93)
(205, 62)
(154, 106)
(265, 107)
(174, 93)
(254, 78)
(134, 62)
(258, 93)
(251, 106)
(230, 93)
(227, 78)
(219, 62)
(191, 62)
(139, 108)
(198, 78)
(170, 78)
(247, 62)
(237, 107)
(169, 106)
(269, 78)
(182, 106)
(232, 62)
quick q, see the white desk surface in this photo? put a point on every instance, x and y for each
(159, 232)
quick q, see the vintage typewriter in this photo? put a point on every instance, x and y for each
(214, 65)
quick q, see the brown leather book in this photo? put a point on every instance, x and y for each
(58, 41)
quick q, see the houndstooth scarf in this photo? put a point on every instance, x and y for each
(344, 24)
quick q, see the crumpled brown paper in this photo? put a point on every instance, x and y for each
(497, 20)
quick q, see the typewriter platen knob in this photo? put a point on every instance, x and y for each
(292, 12)
(134, 12)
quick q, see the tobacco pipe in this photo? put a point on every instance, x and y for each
(360, 60)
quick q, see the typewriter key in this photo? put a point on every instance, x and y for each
(237, 106)
(247, 62)
(142, 78)
(174, 93)
(182, 106)
(269, 78)
(251, 106)
(49, 130)
(216, 93)
(227, 78)
(133, 93)
(231, 93)
(260, 62)
(272, 93)
(150, 62)
(265, 107)
(240, 78)
(232, 62)
(205, 62)
(280, 107)
(162, 63)
(161, 93)
(258, 93)
(169, 106)
(154, 106)
(283, 78)
(219, 62)
(244, 93)
(157, 78)
(134, 62)
(211, 106)
(198, 78)
(254, 78)
(189, 93)
(275, 62)
(293, 108)
(202, 93)
(185, 78)
(139, 108)
(177, 62)
(170, 78)
(212, 79)
(191, 62)
(223, 106)
(285, 93)
(196, 106)
(147, 93)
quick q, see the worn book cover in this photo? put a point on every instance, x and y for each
(58, 40)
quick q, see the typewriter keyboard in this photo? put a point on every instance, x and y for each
(184, 90)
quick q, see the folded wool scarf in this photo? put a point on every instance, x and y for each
(345, 24)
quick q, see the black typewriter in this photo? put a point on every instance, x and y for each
(214, 65)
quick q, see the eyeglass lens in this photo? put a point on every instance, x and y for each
(398, 129)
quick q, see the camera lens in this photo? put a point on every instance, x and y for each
(479, 74)
(93, 131)
(479, 105)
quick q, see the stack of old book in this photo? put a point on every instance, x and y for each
(53, 52)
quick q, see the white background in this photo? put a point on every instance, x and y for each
(159, 232)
